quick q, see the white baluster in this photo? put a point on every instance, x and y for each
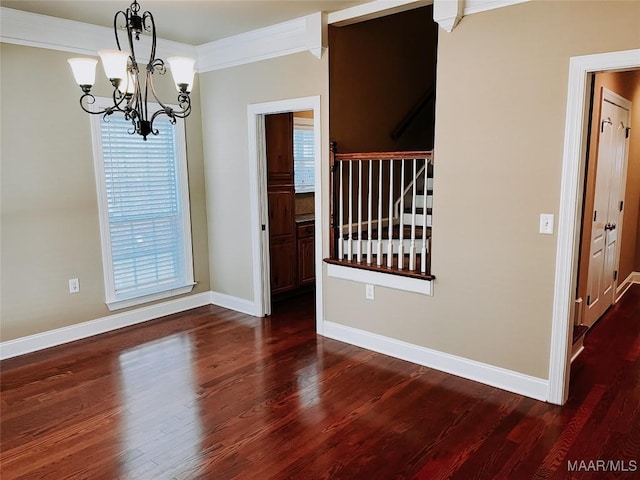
(390, 220)
(369, 214)
(359, 244)
(423, 250)
(401, 245)
(341, 215)
(379, 246)
(350, 217)
(412, 247)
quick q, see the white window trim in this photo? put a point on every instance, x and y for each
(112, 302)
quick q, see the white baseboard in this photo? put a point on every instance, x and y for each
(509, 380)
(58, 336)
(234, 303)
(634, 277)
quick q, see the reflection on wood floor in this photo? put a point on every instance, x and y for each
(214, 394)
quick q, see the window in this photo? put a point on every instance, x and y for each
(143, 202)
(303, 155)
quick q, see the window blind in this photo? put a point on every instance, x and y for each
(143, 203)
(303, 158)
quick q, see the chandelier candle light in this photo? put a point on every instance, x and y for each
(121, 68)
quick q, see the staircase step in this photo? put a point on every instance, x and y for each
(420, 200)
(577, 348)
(419, 210)
(579, 331)
(420, 219)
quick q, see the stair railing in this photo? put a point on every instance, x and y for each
(363, 234)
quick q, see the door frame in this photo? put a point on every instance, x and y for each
(259, 204)
(569, 217)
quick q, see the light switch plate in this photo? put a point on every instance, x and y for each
(546, 223)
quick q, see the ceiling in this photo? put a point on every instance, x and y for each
(188, 21)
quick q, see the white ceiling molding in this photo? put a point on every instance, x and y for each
(297, 35)
(448, 13)
(372, 10)
(316, 33)
(477, 6)
(42, 31)
(293, 36)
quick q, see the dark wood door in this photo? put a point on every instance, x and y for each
(281, 197)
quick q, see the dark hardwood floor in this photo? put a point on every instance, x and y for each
(213, 394)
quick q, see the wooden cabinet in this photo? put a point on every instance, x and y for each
(281, 197)
(306, 253)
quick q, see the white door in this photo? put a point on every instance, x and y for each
(608, 204)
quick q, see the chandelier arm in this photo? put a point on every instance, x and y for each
(184, 101)
(115, 25)
(161, 70)
(185, 104)
(89, 99)
(118, 99)
(152, 28)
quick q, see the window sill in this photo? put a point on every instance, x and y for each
(131, 302)
(422, 285)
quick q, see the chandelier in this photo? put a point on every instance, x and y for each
(122, 69)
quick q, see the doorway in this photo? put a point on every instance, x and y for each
(604, 197)
(289, 145)
(569, 219)
(262, 278)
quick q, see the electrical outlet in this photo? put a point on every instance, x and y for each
(546, 223)
(74, 285)
(369, 292)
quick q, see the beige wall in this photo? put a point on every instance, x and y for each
(225, 97)
(627, 85)
(49, 215)
(500, 117)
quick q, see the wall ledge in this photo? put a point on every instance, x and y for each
(389, 280)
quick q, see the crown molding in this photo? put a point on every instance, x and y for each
(477, 6)
(308, 33)
(292, 36)
(373, 10)
(42, 31)
(448, 13)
